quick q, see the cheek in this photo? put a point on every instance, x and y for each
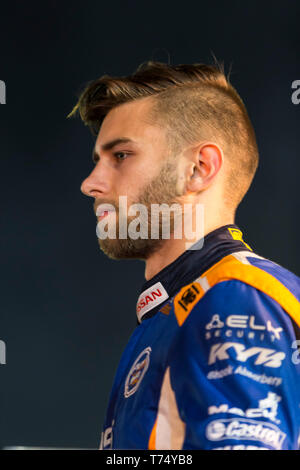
(129, 186)
(137, 176)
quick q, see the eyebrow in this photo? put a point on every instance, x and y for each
(111, 144)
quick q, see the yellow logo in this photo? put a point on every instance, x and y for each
(185, 300)
(238, 235)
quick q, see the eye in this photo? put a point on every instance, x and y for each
(120, 155)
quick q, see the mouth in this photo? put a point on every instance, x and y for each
(102, 215)
(103, 210)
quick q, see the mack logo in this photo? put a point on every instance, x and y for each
(267, 408)
(264, 356)
(151, 297)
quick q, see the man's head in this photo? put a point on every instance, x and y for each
(192, 142)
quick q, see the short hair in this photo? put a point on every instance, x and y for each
(194, 102)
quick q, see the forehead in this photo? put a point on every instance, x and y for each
(131, 120)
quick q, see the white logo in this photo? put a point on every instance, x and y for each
(151, 297)
(242, 322)
(267, 408)
(137, 372)
(215, 323)
(265, 356)
(242, 370)
(219, 374)
(241, 447)
(106, 438)
(245, 429)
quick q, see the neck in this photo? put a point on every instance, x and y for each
(173, 248)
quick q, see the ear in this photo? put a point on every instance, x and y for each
(206, 164)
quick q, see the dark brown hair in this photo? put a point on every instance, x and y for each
(192, 102)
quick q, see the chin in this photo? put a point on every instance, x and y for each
(129, 248)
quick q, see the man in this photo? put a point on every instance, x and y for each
(213, 362)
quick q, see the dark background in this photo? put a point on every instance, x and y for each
(67, 311)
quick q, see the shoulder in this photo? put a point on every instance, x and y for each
(245, 285)
(237, 314)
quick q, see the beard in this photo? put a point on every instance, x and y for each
(162, 189)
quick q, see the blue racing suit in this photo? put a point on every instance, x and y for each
(214, 362)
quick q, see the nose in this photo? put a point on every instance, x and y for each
(96, 183)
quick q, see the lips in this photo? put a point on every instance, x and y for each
(103, 210)
(102, 215)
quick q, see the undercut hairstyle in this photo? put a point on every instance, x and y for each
(194, 103)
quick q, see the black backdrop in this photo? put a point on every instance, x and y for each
(66, 310)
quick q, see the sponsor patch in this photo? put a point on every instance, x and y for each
(241, 447)
(242, 370)
(185, 301)
(150, 298)
(137, 372)
(267, 408)
(245, 429)
(241, 326)
(260, 356)
(238, 235)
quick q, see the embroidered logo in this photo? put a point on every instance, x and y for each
(137, 372)
(151, 297)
